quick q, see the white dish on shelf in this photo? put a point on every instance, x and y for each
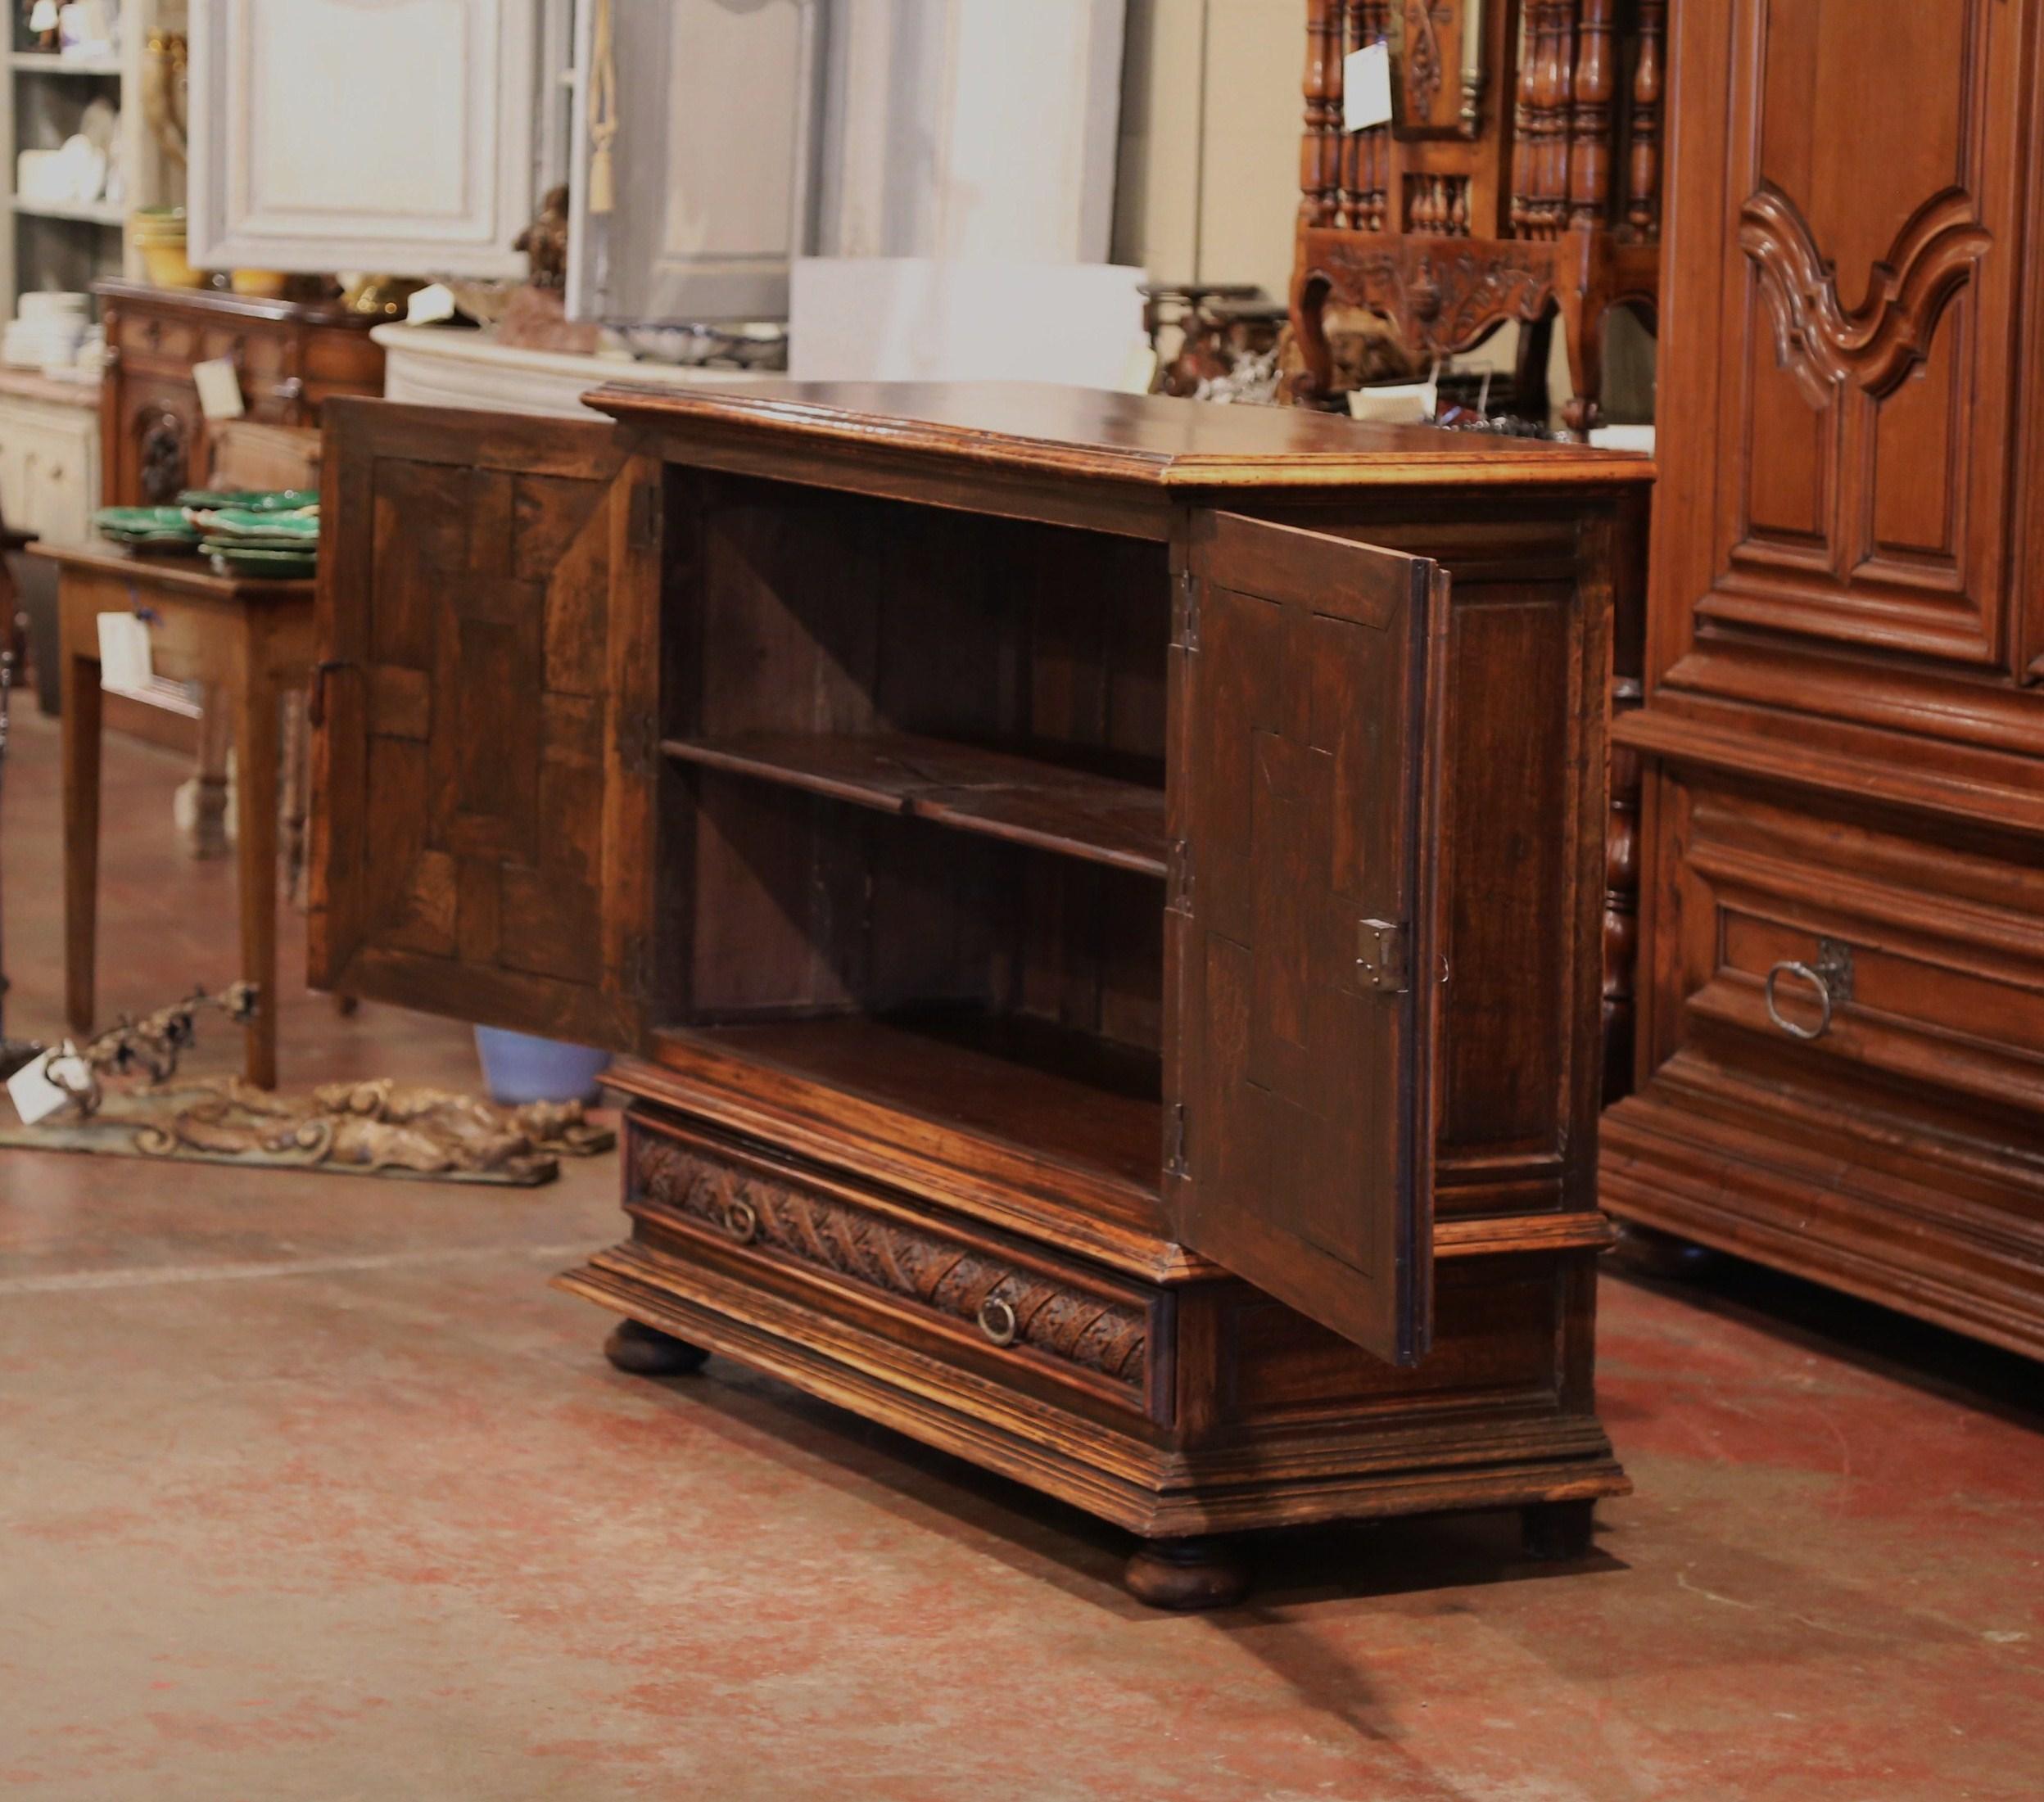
(56, 305)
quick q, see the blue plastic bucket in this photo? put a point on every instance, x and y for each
(517, 1067)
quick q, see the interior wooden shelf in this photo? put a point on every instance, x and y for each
(968, 788)
(963, 1082)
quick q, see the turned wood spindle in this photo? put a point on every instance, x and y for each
(1320, 148)
(1355, 152)
(1522, 145)
(1556, 61)
(1643, 198)
(1376, 28)
(1590, 149)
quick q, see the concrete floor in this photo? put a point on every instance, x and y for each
(309, 1488)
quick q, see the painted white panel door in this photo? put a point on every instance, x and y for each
(717, 108)
(49, 468)
(396, 135)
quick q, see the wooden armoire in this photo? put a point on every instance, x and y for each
(1518, 178)
(1841, 1057)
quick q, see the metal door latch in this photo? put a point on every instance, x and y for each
(1384, 956)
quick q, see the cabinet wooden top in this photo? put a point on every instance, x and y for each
(234, 306)
(1149, 439)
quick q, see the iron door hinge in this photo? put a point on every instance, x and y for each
(1175, 1158)
(637, 974)
(1384, 956)
(1178, 878)
(638, 745)
(1185, 613)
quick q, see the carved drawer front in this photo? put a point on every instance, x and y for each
(1816, 945)
(149, 338)
(1026, 1318)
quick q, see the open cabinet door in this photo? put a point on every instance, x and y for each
(1302, 938)
(482, 805)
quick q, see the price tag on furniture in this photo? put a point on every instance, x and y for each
(125, 664)
(1366, 87)
(219, 388)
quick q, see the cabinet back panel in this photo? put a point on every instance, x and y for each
(829, 613)
(801, 904)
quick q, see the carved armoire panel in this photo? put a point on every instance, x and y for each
(1864, 424)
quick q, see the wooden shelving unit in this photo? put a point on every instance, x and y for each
(42, 100)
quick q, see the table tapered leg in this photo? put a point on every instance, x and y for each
(80, 683)
(256, 823)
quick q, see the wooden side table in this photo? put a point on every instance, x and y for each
(252, 643)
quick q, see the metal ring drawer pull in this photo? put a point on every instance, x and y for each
(741, 1220)
(1831, 975)
(998, 1321)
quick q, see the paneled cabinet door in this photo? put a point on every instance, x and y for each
(399, 136)
(1302, 944)
(1843, 281)
(482, 757)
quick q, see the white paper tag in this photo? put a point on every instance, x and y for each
(1366, 87)
(125, 664)
(219, 388)
(35, 1097)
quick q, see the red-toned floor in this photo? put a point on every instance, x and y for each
(309, 1488)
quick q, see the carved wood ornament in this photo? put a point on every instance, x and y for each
(941, 1274)
(1816, 339)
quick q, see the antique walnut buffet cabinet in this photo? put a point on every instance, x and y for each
(1840, 1059)
(1103, 894)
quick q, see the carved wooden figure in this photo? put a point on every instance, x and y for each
(1494, 193)
(1842, 1027)
(1103, 894)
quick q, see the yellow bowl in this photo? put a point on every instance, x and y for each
(164, 262)
(259, 284)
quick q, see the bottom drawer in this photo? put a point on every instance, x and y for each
(1848, 958)
(1005, 1308)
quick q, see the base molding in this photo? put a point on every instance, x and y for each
(1672, 1162)
(1357, 1470)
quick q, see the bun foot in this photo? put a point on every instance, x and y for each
(1187, 1574)
(641, 1350)
(1557, 1532)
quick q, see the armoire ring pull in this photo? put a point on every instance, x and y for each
(1831, 975)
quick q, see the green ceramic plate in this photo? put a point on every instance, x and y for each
(249, 500)
(238, 522)
(152, 519)
(274, 566)
(157, 547)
